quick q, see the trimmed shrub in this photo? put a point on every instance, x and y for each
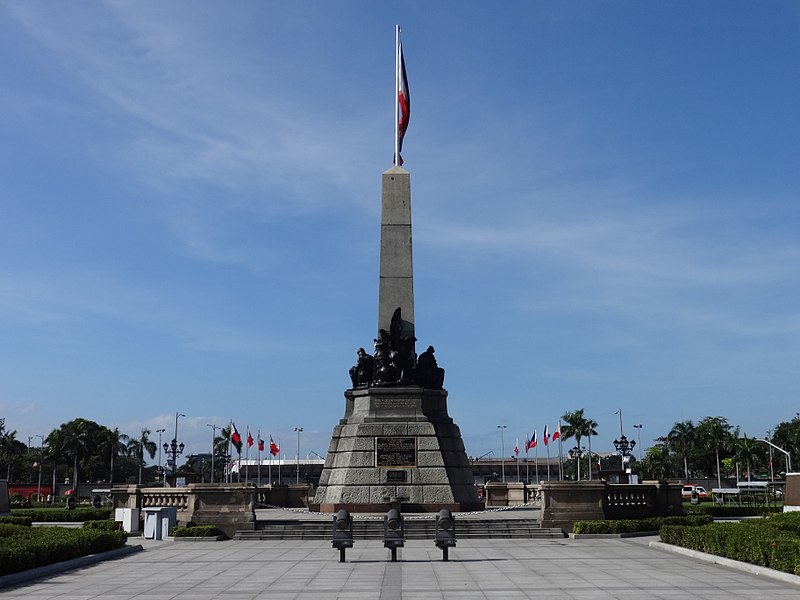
(30, 547)
(196, 531)
(729, 510)
(101, 525)
(56, 515)
(26, 521)
(772, 542)
(618, 526)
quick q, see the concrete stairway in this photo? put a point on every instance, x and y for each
(415, 529)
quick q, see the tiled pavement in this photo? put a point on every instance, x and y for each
(478, 569)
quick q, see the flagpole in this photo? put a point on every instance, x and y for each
(228, 460)
(259, 458)
(247, 458)
(396, 158)
(279, 461)
(560, 455)
(527, 468)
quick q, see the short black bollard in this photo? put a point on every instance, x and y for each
(393, 532)
(445, 532)
(342, 532)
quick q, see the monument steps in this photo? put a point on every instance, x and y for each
(415, 529)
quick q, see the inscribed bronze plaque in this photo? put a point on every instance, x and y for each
(395, 476)
(395, 451)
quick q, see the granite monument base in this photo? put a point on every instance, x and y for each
(396, 447)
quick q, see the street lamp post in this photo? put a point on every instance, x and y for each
(623, 445)
(639, 437)
(41, 465)
(298, 430)
(160, 464)
(214, 428)
(502, 451)
(577, 453)
(174, 448)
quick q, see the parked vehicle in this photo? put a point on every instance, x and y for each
(688, 491)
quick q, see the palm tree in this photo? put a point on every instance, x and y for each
(137, 448)
(76, 440)
(715, 432)
(113, 442)
(748, 453)
(681, 439)
(575, 425)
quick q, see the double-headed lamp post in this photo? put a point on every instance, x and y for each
(577, 453)
(298, 430)
(502, 451)
(174, 447)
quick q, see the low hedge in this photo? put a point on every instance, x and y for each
(196, 531)
(24, 548)
(730, 510)
(27, 521)
(634, 525)
(101, 525)
(59, 515)
(773, 542)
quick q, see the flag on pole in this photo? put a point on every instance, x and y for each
(250, 441)
(273, 447)
(403, 103)
(557, 432)
(516, 447)
(546, 436)
(236, 438)
(531, 443)
(260, 443)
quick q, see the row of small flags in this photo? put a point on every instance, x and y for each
(236, 438)
(531, 443)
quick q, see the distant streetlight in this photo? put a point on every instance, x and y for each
(214, 428)
(779, 449)
(502, 451)
(298, 430)
(41, 464)
(639, 437)
(160, 464)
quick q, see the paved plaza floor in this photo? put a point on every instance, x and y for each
(477, 569)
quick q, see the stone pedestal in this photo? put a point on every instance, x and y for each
(791, 494)
(5, 503)
(396, 446)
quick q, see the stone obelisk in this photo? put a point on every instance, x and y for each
(396, 444)
(396, 288)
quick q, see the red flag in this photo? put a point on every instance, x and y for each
(531, 443)
(557, 432)
(260, 444)
(546, 436)
(516, 447)
(249, 440)
(235, 437)
(273, 447)
(403, 101)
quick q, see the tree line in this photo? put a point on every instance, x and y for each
(85, 451)
(710, 448)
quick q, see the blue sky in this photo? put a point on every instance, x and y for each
(605, 201)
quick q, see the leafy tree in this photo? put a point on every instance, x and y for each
(786, 435)
(138, 447)
(658, 463)
(11, 449)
